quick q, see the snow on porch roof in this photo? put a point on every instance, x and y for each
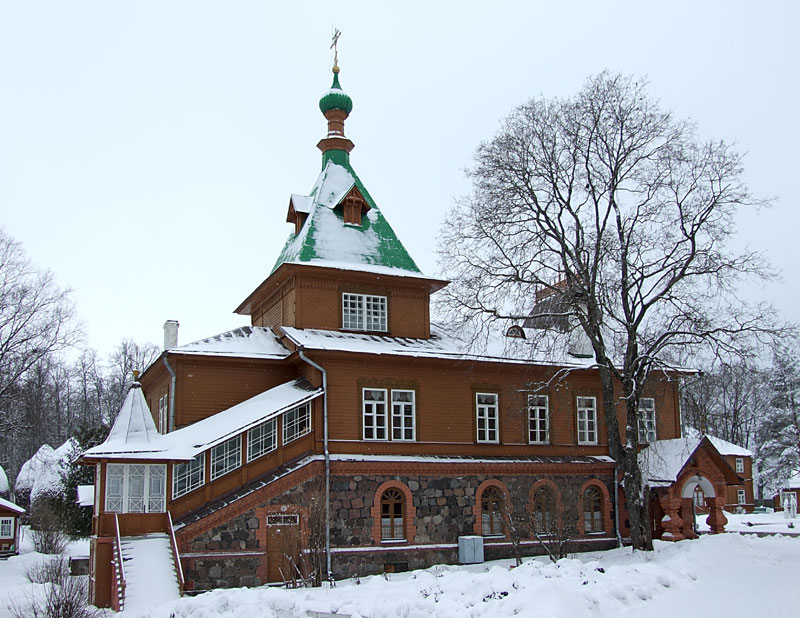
(243, 342)
(185, 443)
(663, 460)
(7, 504)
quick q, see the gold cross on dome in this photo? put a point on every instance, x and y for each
(334, 45)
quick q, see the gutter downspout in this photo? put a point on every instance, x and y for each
(319, 368)
(616, 504)
(171, 394)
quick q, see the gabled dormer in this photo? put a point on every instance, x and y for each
(342, 267)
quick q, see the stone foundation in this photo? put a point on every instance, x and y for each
(444, 508)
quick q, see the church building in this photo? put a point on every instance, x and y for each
(343, 433)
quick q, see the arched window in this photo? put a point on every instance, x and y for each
(392, 515)
(699, 497)
(592, 510)
(491, 511)
(544, 511)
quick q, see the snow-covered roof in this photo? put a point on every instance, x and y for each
(243, 342)
(134, 423)
(326, 240)
(662, 461)
(441, 344)
(301, 203)
(723, 446)
(185, 443)
(11, 506)
(729, 448)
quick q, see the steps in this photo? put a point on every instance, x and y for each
(149, 571)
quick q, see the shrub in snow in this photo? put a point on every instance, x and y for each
(47, 533)
(63, 596)
(5, 489)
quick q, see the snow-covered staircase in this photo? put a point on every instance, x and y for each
(150, 577)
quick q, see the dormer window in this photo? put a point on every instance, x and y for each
(353, 207)
(364, 312)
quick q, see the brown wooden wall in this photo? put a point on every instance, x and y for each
(314, 300)
(732, 490)
(445, 405)
(207, 385)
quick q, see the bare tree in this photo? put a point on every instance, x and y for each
(37, 318)
(727, 401)
(614, 208)
(128, 356)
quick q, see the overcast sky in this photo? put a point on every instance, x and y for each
(148, 149)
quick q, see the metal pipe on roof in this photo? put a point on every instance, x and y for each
(172, 387)
(321, 369)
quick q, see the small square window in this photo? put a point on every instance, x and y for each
(364, 312)
(6, 527)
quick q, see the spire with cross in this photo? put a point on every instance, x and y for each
(335, 47)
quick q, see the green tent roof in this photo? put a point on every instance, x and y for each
(326, 240)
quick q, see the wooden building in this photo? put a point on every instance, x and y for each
(342, 432)
(9, 527)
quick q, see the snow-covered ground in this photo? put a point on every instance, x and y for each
(729, 574)
(14, 587)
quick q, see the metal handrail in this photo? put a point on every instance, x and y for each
(121, 585)
(175, 553)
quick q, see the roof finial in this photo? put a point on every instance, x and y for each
(334, 46)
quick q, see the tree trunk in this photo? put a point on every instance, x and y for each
(636, 499)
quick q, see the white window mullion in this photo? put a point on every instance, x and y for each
(403, 415)
(374, 413)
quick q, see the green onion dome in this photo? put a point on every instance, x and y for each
(335, 98)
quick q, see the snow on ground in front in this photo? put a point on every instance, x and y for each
(715, 575)
(726, 574)
(149, 572)
(14, 586)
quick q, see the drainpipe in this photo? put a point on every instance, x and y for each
(171, 394)
(319, 368)
(616, 504)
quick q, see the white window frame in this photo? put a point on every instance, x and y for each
(538, 419)
(587, 420)
(647, 420)
(262, 439)
(487, 418)
(193, 472)
(144, 492)
(740, 465)
(296, 423)
(6, 523)
(404, 416)
(741, 496)
(365, 312)
(163, 413)
(374, 415)
(226, 457)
